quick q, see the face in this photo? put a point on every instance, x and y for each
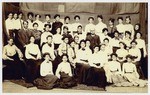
(76, 39)
(65, 30)
(15, 16)
(82, 44)
(91, 21)
(58, 30)
(32, 39)
(10, 16)
(106, 42)
(77, 19)
(133, 45)
(35, 26)
(67, 20)
(49, 40)
(30, 17)
(103, 47)
(92, 31)
(99, 19)
(127, 35)
(47, 18)
(137, 27)
(57, 18)
(105, 32)
(64, 59)
(120, 21)
(72, 44)
(20, 16)
(96, 49)
(88, 43)
(66, 40)
(127, 20)
(114, 58)
(47, 57)
(79, 29)
(110, 22)
(121, 45)
(138, 35)
(116, 35)
(25, 25)
(129, 59)
(37, 17)
(47, 28)
(10, 42)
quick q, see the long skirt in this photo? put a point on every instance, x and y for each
(46, 82)
(13, 69)
(81, 72)
(96, 77)
(32, 69)
(66, 81)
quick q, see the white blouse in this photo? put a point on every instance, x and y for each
(40, 23)
(63, 67)
(46, 68)
(130, 28)
(17, 24)
(114, 66)
(44, 37)
(99, 27)
(129, 67)
(57, 39)
(135, 52)
(75, 26)
(89, 27)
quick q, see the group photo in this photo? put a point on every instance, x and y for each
(74, 47)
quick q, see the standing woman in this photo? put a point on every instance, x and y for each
(33, 56)
(12, 59)
(137, 28)
(127, 39)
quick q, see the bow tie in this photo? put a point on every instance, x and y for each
(83, 49)
(50, 45)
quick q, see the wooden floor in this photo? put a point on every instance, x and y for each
(9, 87)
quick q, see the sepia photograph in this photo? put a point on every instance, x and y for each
(74, 47)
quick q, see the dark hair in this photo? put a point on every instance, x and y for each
(139, 27)
(76, 36)
(80, 26)
(91, 18)
(104, 29)
(48, 15)
(56, 15)
(139, 33)
(65, 37)
(49, 36)
(47, 25)
(30, 13)
(35, 24)
(65, 27)
(37, 15)
(127, 32)
(76, 16)
(123, 44)
(44, 55)
(133, 42)
(116, 32)
(114, 55)
(96, 46)
(100, 16)
(102, 45)
(112, 20)
(20, 13)
(128, 17)
(25, 21)
(129, 56)
(106, 39)
(67, 17)
(64, 55)
(81, 42)
(119, 18)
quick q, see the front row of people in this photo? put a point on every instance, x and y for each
(96, 71)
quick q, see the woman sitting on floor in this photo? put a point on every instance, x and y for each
(12, 59)
(47, 79)
(64, 74)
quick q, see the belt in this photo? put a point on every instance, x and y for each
(114, 71)
(97, 64)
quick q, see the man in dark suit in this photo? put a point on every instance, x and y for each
(93, 38)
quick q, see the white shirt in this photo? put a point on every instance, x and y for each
(114, 42)
(99, 27)
(47, 49)
(114, 66)
(9, 25)
(32, 49)
(44, 37)
(30, 24)
(129, 67)
(102, 37)
(122, 53)
(130, 28)
(46, 68)
(141, 44)
(127, 41)
(63, 48)
(103, 56)
(64, 67)
(16, 24)
(89, 27)
(57, 39)
(40, 23)
(69, 28)
(135, 52)
(75, 26)
(108, 49)
(47, 23)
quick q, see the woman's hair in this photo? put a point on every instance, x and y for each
(76, 16)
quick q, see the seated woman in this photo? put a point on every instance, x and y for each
(33, 56)
(82, 65)
(131, 74)
(47, 79)
(114, 70)
(64, 73)
(96, 75)
(12, 59)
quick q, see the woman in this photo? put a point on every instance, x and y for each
(111, 27)
(12, 59)
(127, 39)
(64, 73)
(48, 79)
(96, 75)
(137, 28)
(33, 56)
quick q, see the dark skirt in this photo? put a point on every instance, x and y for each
(46, 82)
(56, 46)
(32, 70)
(115, 49)
(81, 72)
(96, 77)
(66, 81)
(13, 69)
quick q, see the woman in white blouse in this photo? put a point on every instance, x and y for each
(33, 56)
(131, 74)
(127, 39)
(64, 73)
(47, 79)
(12, 59)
